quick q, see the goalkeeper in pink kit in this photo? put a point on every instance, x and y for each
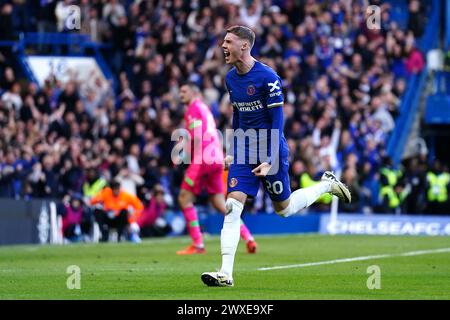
(205, 170)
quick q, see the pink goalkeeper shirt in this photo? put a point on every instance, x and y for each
(201, 125)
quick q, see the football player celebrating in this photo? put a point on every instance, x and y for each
(256, 95)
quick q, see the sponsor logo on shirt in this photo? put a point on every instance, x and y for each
(248, 106)
(273, 86)
(278, 93)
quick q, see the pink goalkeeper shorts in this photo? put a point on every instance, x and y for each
(203, 176)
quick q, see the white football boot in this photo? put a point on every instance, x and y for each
(338, 189)
(216, 279)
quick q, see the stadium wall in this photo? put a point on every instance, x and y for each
(386, 225)
(377, 224)
(35, 222)
(268, 223)
(27, 222)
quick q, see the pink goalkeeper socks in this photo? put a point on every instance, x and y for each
(245, 233)
(190, 214)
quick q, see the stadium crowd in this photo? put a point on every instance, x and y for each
(343, 84)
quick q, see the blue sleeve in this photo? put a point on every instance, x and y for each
(274, 102)
(277, 117)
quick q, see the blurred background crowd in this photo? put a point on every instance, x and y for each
(343, 84)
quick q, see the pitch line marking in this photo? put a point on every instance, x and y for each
(362, 258)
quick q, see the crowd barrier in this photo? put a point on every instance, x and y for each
(37, 222)
(357, 223)
(28, 222)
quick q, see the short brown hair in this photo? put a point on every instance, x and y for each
(243, 33)
(192, 85)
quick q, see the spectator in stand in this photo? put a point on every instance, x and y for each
(415, 61)
(6, 21)
(416, 18)
(12, 99)
(438, 188)
(76, 219)
(415, 178)
(8, 174)
(93, 185)
(129, 181)
(151, 221)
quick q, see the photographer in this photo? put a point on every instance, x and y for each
(119, 209)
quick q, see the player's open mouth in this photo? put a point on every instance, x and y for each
(226, 53)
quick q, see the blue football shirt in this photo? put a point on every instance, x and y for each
(257, 100)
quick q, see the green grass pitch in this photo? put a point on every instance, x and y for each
(151, 270)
